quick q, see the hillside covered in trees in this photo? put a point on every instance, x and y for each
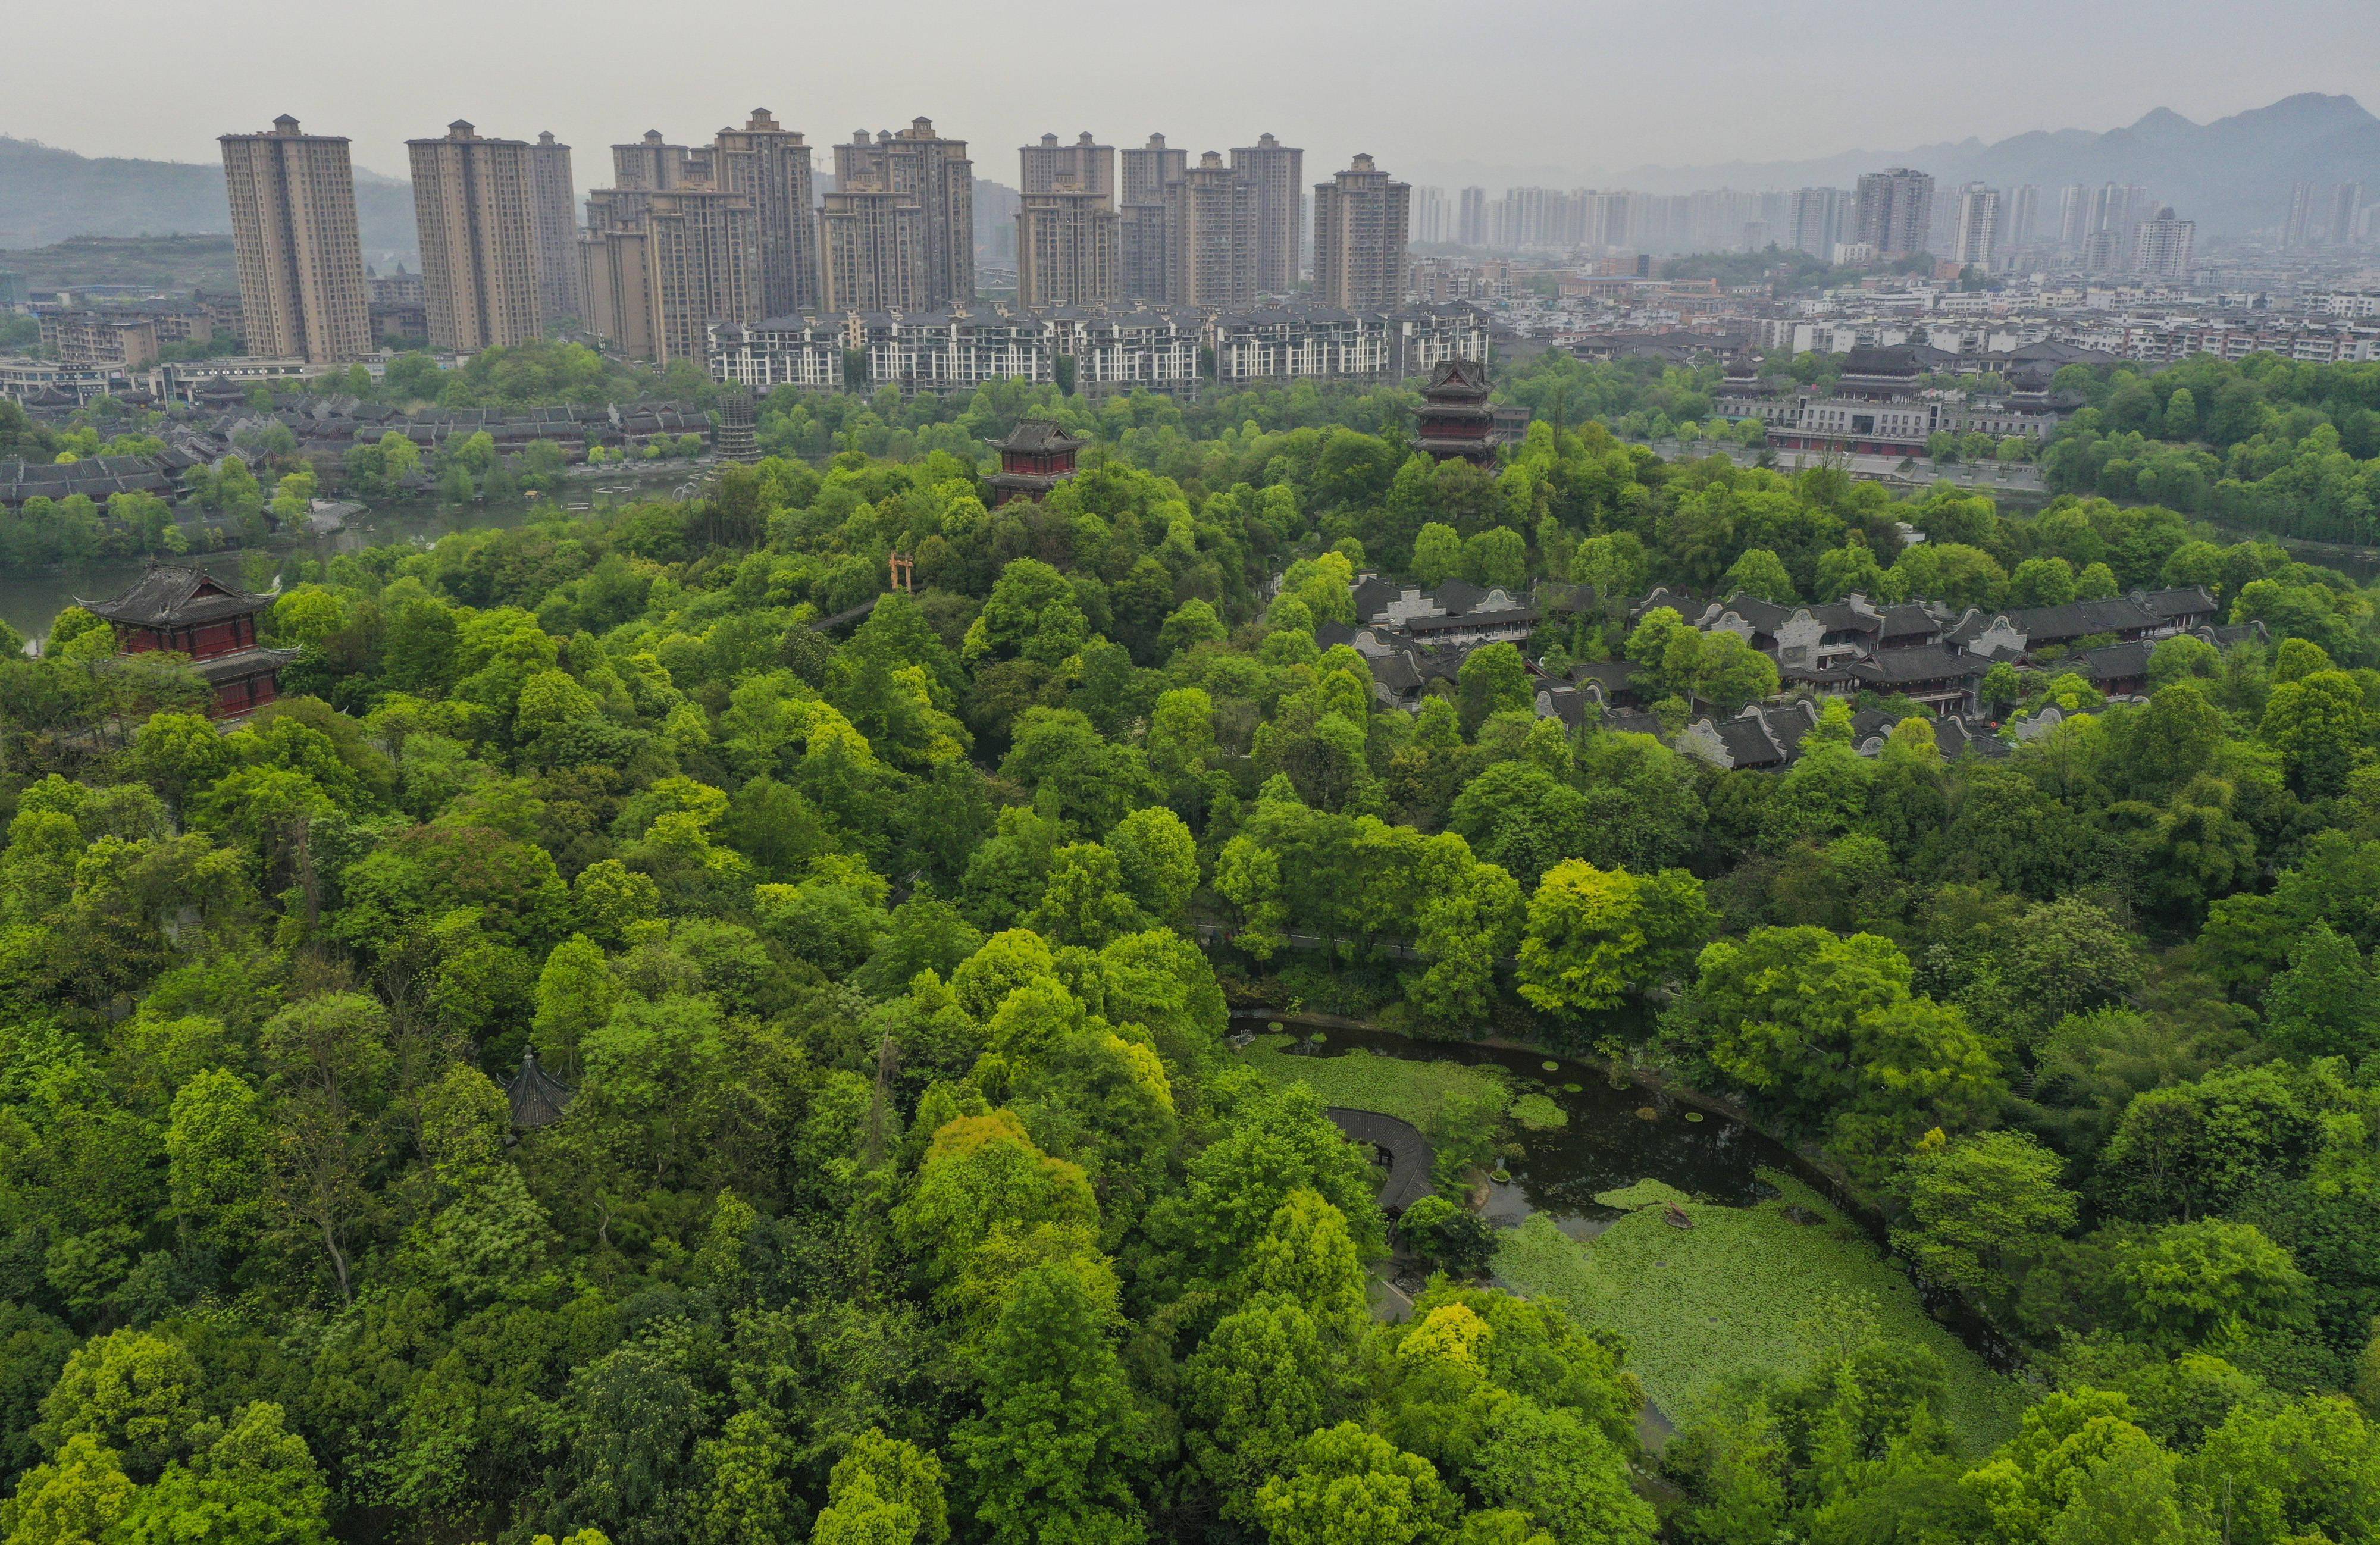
(909, 1187)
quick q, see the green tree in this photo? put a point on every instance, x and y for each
(1493, 679)
(252, 1482)
(1062, 1443)
(1760, 573)
(2188, 1283)
(1437, 553)
(1982, 1209)
(1594, 936)
(1353, 1488)
(884, 1492)
(2323, 1004)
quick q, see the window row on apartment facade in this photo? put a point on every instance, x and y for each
(1119, 352)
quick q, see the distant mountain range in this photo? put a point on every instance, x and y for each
(2231, 175)
(47, 195)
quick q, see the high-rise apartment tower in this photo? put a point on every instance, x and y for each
(770, 165)
(935, 173)
(555, 212)
(293, 225)
(1145, 174)
(1275, 174)
(1069, 242)
(1210, 237)
(1895, 213)
(475, 208)
(1361, 219)
(1979, 237)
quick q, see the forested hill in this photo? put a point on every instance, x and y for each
(48, 195)
(604, 1059)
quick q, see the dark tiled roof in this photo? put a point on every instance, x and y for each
(2079, 619)
(1457, 596)
(2187, 601)
(245, 663)
(97, 478)
(537, 1099)
(1765, 615)
(1907, 620)
(2114, 662)
(1374, 594)
(168, 595)
(1038, 434)
(1749, 744)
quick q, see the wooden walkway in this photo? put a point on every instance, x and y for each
(1408, 1153)
(828, 624)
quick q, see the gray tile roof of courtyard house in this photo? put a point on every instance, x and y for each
(97, 478)
(1456, 596)
(1521, 617)
(1684, 602)
(2126, 661)
(2173, 606)
(2080, 619)
(1908, 620)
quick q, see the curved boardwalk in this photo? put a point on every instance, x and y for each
(1408, 1151)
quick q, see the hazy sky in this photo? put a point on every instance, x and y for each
(1585, 85)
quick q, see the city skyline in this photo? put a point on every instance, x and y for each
(1748, 91)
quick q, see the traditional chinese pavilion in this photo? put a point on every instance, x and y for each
(1455, 419)
(536, 1096)
(1036, 457)
(189, 610)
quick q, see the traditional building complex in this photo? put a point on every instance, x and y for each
(293, 223)
(1880, 405)
(1455, 421)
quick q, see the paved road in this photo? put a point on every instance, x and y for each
(1408, 1150)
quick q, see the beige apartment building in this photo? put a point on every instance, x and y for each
(1359, 239)
(651, 163)
(1069, 250)
(659, 267)
(1081, 167)
(1210, 237)
(1069, 247)
(555, 212)
(936, 173)
(475, 208)
(302, 267)
(875, 244)
(770, 165)
(1275, 174)
(1144, 173)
